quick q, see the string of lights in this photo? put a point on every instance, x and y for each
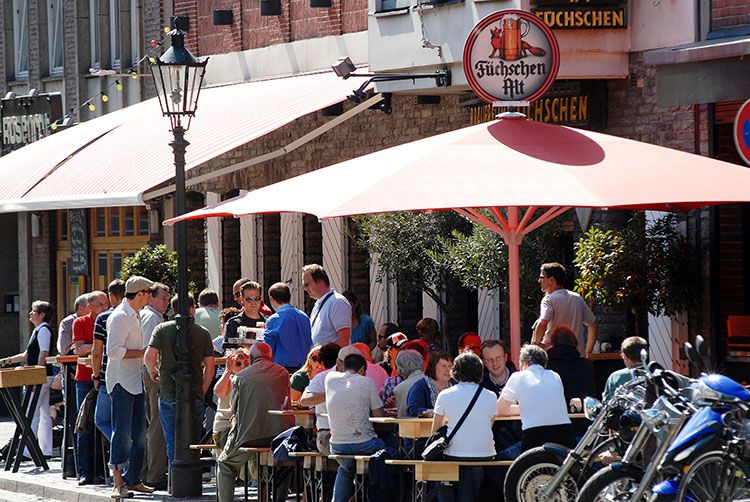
(103, 95)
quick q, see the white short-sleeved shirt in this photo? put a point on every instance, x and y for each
(474, 438)
(540, 396)
(326, 321)
(566, 308)
(43, 337)
(317, 386)
(349, 398)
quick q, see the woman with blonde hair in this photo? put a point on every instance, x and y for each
(301, 378)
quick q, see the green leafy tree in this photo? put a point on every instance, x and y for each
(154, 263)
(638, 266)
(405, 243)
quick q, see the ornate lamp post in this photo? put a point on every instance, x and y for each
(178, 76)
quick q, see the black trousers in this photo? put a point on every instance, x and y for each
(559, 434)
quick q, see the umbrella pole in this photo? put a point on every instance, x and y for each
(513, 241)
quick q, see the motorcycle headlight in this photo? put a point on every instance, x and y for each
(654, 419)
(591, 407)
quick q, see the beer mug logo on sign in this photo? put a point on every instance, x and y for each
(508, 43)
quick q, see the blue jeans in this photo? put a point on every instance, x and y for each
(167, 411)
(103, 416)
(84, 440)
(128, 433)
(343, 488)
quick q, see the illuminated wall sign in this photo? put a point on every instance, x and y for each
(26, 119)
(579, 103)
(581, 15)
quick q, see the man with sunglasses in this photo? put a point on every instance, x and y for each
(251, 298)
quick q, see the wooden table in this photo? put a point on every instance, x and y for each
(303, 418)
(22, 410)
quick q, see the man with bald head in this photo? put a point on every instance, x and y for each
(260, 387)
(83, 340)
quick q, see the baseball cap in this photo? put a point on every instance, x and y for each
(347, 351)
(137, 283)
(397, 340)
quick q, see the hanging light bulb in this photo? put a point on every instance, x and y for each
(92, 107)
(118, 86)
(151, 59)
(105, 98)
(53, 126)
(167, 29)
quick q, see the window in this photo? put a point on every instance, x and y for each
(21, 38)
(129, 221)
(62, 217)
(94, 32)
(116, 265)
(114, 32)
(101, 222)
(55, 36)
(114, 222)
(143, 227)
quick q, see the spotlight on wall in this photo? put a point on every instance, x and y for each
(223, 18)
(270, 7)
(344, 67)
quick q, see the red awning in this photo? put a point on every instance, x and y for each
(111, 160)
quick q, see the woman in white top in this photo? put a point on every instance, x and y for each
(537, 394)
(473, 440)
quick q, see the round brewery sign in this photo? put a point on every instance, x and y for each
(741, 131)
(511, 55)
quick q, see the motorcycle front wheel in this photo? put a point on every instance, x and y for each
(530, 473)
(610, 484)
(716, 478)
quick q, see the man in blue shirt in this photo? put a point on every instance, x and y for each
(288, 330)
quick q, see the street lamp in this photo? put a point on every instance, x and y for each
(178, 76)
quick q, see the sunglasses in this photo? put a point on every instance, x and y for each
(236, 294)
(148, 291)
(253, 298)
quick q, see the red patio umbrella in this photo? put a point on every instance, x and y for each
(511, 163)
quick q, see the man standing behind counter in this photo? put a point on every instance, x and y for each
(331, 317)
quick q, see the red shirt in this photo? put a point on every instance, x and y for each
(83, 331)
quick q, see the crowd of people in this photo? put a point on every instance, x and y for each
(335, 360)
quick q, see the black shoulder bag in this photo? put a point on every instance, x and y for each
(439, 441)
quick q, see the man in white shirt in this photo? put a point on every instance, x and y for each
(561, 307)
(154, 471)
(125, 350)
(331, 317)
(537, 395)
(351, 398)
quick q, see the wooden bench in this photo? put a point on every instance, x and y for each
(258, 452)
(270, 476)
(362, 463)
(309, 473)
(446, 471)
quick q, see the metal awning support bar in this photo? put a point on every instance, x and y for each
(318, 131)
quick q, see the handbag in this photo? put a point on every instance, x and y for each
(440, 439)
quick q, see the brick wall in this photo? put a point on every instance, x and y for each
(729, 13)
(250, 30)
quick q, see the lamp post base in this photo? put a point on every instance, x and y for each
(185, 479)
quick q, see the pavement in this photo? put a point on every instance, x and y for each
(32, 484)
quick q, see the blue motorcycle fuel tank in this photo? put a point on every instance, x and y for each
(726, 386)
(705, 421)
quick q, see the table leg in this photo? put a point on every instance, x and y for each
(68, 441)
(247, 481)
(28, 437)
(10, 403)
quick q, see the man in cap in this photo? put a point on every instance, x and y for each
(125, 386)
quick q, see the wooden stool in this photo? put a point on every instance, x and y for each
(439, 471)
(362, 463)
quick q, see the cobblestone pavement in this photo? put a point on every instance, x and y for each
(31, 484)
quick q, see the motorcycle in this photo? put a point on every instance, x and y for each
(553, 472)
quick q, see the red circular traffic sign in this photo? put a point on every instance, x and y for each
(511, 55)
(741, 131)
